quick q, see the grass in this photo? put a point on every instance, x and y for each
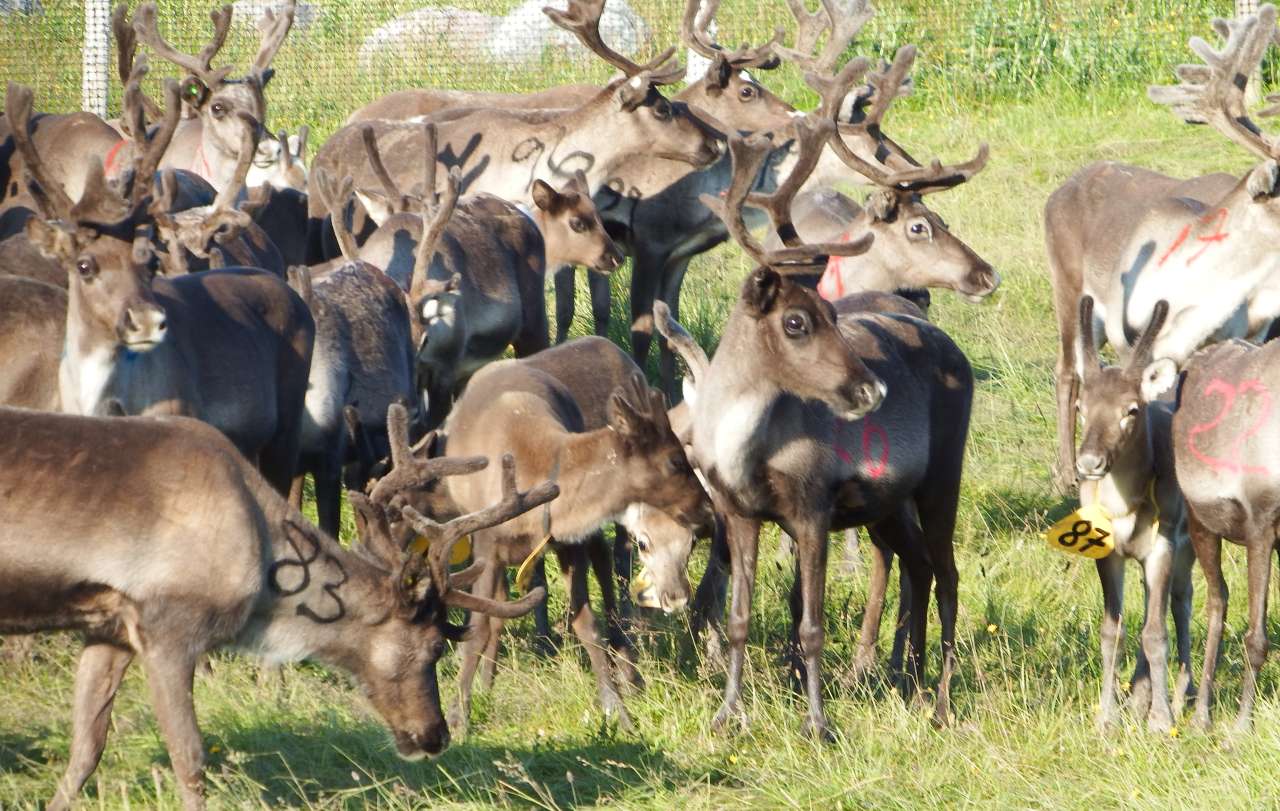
(1025, 694)
(1027, 686)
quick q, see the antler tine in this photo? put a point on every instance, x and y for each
(679, 339)
(50, 196)
(842, 25)
(434, 222)
(1088, 349)
(133, 118)
(748, 156)
(226, 198)
(1213, 93)
(698, 15)
(398, 201)
(442, 537)
(886, 85)
(374, 530)
(1142, 351)
(407, 471)
(151, 151)
(126, 53)
(937, 176)
(811, 134)
(832, 89)
(582, 19)
(144, 23)
(274, 28)
(430, 151)
(334, 196)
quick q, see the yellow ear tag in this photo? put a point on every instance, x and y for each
(642, 591)
(1086, 532)
(461, 550)
(525, 573)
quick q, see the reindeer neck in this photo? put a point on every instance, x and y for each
(89, 356)
(593, 484)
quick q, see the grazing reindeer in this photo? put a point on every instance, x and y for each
(228, 563)
(783, 429)
(232, 347)
(363, 357)
(1128, 237)
(633, 458)
(209, 144)
(1126, 466)
(1225, 453)
(33, 317)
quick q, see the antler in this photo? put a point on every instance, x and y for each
(274, 28)
(200, 65)
(841, 23)
(434, 220)
(408, 472)
(694, 33)
(1142, 350)
(442, 537)
(1213, 93)
(126, 51)
(149, 151)
(582, 19)
(398, 201)
(334, 195)
(49, 195)
(749, 155)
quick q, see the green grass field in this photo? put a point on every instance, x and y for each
(1024, 698)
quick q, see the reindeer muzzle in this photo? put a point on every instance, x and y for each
(142, 326)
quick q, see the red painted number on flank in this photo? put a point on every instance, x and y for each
(874, 464)
(1218, 235)
(1232, 461)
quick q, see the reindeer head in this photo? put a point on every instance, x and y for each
(663, 545)
(102, 240)
(220, 101)
(656, 469)
(670, 130)
(1113, 399)
(396, 667)
(571, 227)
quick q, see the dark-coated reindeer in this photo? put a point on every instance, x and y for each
(210, 143)
(1128, 237)
(1225, 449)
(1126, 465)
(818, 425)
(232, 347)
(233, 564)
(631, 458)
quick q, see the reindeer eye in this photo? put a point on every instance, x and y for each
(677, 463)
(747, 93)
(795, 324)
(218, 109)
(918, 229)
(642, 543)
(579, 225)
(662, 109)
(86, 268)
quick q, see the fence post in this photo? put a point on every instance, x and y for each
(97, 52)
(1252, 90)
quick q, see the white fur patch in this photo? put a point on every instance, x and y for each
(87, 376)
(690, 391)
(733, 434)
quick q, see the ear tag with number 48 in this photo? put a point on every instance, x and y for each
(1086, 532)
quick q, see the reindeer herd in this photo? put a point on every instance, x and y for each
(192, 320)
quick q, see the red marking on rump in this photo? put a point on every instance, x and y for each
(109, 162)
(1232, 461)
(874, 465)
(1182, 237)
(1217, 236)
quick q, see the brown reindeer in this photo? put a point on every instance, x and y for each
(1128, 237)
(231, 563)
(819, 425)
(1225, 452)
(33, 317)
(232, 347)
(1126, 466)
(210, 143)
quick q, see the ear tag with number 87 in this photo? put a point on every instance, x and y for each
(1086, 532)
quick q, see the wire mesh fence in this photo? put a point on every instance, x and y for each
(344, 53)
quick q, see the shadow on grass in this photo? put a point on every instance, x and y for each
(357, 764)
(23, 752)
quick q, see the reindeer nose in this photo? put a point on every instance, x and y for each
(867, 397)
(985, 280)
(1091, 465)
(143, 325)
(672, 603)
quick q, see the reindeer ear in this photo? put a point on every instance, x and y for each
(623, 416)
(1158, 378)
(760, 290)
(882, 206)
(1262, 180)
(717, 76)
(632, 93)
(51, 240)
(545, 197)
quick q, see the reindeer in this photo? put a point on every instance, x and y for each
(1126, 463)
(631, 458)
(231, 564)
(1127, 237)
(209, 144)
(819, 424)
(231, 346)
(33, 316)
(280, 162)
(503, 151)
(1225, 457)
(363, 357)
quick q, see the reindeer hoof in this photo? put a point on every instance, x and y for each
(727, 713)
(941, 717)
(864, 665)
(1140, 699)
(1160, 723)
(1200, 719)
(816, 727)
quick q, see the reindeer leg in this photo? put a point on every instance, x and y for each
(102, 667)
(672, 281)
(489, 659)
(619, 642)
(1181, 595)
(812, 565)
(864, 661)
(1208, 549)
(472, 649)
(708, 601)
(646, 271)
(1255, 640)
(565, 294)
(170, 672)
(601, 302)
(622, 573)
(574, 565)
(1111, 576)
(743, 536)
(328, 477)
(1155, 636)
(851, 563)
(545, 641)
